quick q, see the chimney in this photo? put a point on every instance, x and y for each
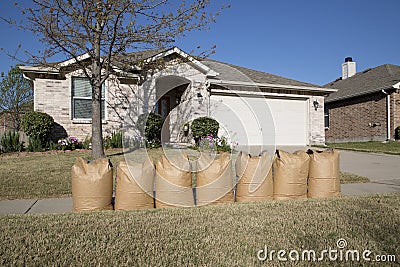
(348, 68)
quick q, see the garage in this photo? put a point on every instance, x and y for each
(255, 120)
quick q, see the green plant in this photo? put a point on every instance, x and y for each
(10, 142)
(53, 146)
(38, 125)
(397, 133)
(35, 145)
(150, 126)
(223, 146)
(87, 143)
(113, 141)
(203, 127)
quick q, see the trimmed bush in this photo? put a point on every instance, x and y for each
(150, 126)
(38, 125)
(203, 127)
(10, 142)
(397, 133)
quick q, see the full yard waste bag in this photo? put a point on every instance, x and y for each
(92, 185)
(135, 185)
(290, 175)
(323, 176)
(255, 178)
(214, 179)
(174, 182)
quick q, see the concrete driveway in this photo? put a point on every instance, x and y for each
(377, 167)
(383, 171)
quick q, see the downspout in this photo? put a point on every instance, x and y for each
(387, 113)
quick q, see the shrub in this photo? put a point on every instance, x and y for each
(113, 141)
(38, 125)
(397, 133)
(203, 127)
(10, 142)
(150, 126)
(35, 145)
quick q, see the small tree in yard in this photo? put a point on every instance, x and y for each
(104, 29)
(16, 96)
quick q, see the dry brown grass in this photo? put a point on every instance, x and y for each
(225, 235)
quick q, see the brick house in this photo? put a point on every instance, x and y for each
(366, 106)
(252, 107)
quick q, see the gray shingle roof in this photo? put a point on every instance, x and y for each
(231, 72)
(365, 82)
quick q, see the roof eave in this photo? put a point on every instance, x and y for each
(274, 86)
(376, 90)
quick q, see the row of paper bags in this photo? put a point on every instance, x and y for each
(293, 176)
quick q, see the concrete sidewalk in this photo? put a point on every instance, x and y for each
(383, 171)
(31, 206)
(61, 205)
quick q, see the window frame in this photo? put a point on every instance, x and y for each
(73, 98)
(327, 121)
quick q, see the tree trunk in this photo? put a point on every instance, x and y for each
(97, 127)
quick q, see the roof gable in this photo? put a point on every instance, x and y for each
(365, 82)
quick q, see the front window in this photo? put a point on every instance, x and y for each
(82, 99)
(326, 117)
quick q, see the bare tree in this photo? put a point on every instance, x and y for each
(106, 29)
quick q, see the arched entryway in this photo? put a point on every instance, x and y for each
(169, 92)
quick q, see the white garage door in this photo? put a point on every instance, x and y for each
(260, 121)
(290, 117)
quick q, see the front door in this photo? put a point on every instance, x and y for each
(163, 108)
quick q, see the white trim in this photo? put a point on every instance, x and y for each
(72, 110)
(264, 94)
(273, 86)
(39, 69)
(209, 72)
(396, 86)
(73, 60)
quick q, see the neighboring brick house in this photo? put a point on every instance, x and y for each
(252, 107)
(366, 106)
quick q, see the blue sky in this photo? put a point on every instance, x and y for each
(304, 40)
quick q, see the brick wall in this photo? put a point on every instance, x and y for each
(54, 98)
(349, 120)
(395, 110)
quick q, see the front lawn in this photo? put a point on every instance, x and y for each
(44, 175)
(391, 147)
(49, 175)
(224, 235)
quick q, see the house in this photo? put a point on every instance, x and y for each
(366, 106)
(252, 107)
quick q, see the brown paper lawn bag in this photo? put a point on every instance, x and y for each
(290, 175)
(135, 185)
(255, 178)
(214, 179)
(92, 185)
(174, 182)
